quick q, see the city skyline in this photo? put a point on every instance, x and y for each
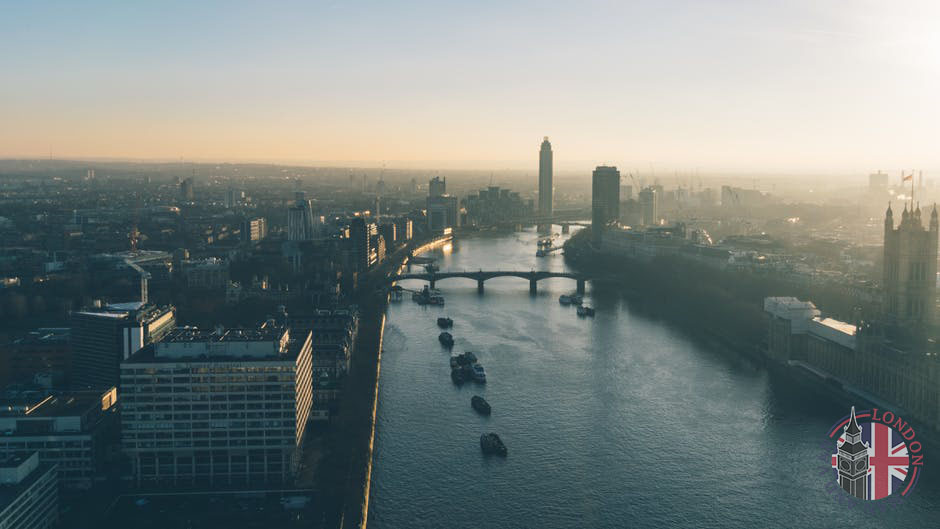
(805, 87)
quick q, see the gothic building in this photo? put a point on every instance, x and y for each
(910, 271)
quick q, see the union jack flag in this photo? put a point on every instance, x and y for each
(888, 460)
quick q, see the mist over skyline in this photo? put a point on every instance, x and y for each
(810, 87)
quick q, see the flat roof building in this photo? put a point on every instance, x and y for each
(73, 430)
(222, 408)
(29, 496)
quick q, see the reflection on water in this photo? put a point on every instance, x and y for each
(610, 421)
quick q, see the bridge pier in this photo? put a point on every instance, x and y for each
(581, 287)
(479, 286)
(432, 283)
(533, 286)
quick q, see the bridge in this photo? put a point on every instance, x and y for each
(480, 276)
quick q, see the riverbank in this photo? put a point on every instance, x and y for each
(343, 477)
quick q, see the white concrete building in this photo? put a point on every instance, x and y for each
(222, 408)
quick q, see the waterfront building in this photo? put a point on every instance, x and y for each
(492, 206)
(389, 232)
(545, 179)
(219, 408)
(441, 207)
(334, 334)
(858, 358)
(788, 323)
(75, 431)
(29, 495)
(605, 200)
(404, 229)
(102, 338)
(649, 206)
(910, 272)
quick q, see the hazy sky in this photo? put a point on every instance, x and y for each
(720, 85)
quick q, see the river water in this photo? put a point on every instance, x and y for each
(613, 421)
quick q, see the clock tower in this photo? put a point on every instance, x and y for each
(852, 460)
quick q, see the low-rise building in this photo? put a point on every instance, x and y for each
(73, 430)
(29, 495)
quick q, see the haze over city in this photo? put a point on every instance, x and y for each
(382, 265)
(807, 87)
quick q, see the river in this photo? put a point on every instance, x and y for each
(613, 421)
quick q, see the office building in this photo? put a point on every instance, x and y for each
(74, 430)
(545, 179)
(301, 222)
(44, 353)
(187, 192)
(254, 229)
(437, 187)
(441, 207)
(223, 408)
(102, 338)
(359, 236)
(605, 200)
(29, 495)
(878, 181)
(649, 206)
(334, 334)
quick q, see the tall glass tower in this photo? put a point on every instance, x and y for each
(545, 179)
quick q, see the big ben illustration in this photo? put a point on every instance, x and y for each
(853, 460)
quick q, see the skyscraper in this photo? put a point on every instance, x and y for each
(649, 206)
(605, 200)
(910, 271)
(441, 207)
(359, 236)
(545, 179)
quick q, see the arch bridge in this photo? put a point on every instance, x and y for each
(480, 276)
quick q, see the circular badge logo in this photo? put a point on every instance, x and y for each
(877, 454)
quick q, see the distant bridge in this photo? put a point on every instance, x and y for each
(480, 276)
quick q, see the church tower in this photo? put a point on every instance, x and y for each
(910, 271)
(852, 460)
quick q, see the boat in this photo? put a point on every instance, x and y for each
(454, 361)
(585, 311)
(458, 375)
(479, 374)
(445, 323)
(436, 300)
(490, 443)
(446, 339)
(480, 405)
(564, 299)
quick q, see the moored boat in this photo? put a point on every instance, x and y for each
(445, 323)
(490, 443)
(480, 405)
(446, 339)
(564, 299)
(585, 311)
(479, 374)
